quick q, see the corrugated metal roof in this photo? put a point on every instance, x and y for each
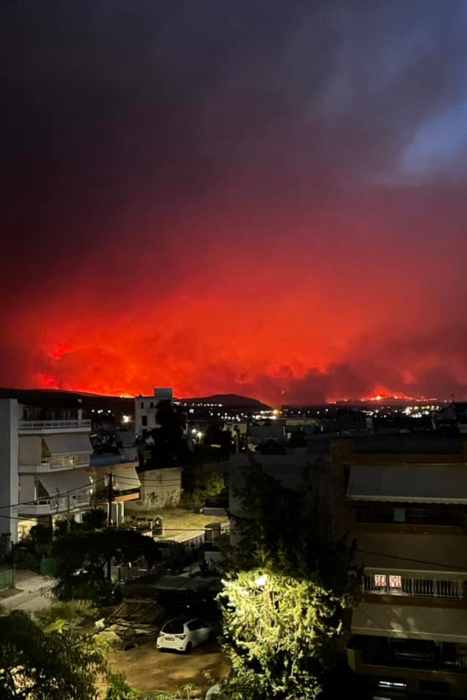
(425, 483)
(410, 622)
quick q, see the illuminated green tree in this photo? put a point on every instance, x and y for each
(287, 596)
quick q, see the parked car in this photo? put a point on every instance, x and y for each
(183, 634)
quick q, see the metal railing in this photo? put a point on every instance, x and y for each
(55, 464)
(49, 506)
(409, 585)
(51, 424)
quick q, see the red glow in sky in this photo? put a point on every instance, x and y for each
(255, 198)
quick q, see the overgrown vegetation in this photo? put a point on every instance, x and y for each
(83, 558)
(287, 591)
(47, 663)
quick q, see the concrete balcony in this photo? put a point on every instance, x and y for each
(53, 426)
(55, 465)
(52, 506)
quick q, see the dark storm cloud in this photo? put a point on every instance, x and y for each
(144, 143)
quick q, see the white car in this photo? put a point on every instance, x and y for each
(183, 634)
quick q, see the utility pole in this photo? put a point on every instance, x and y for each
(110, 498)
(68, 511)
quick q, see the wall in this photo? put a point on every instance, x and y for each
(8, 465)
(160, 488)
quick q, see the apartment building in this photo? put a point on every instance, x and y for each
(409, 631)
(126, 484)
(43, 467)
(146, 408)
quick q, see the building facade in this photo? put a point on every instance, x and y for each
(409, 631)
(43, 468)
(146, 408)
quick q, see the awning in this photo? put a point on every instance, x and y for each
(423, 483)
(59, 483)
(410, 552)
(126, 478)
(68, 443)
(410, 622)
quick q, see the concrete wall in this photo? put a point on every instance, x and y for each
(9, 493)
(160, 488)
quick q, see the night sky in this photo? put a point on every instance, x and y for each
(249, 196)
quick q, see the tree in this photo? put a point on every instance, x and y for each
(46, 665)
(82, 558)
(199, 481)
(94, 519)
(221, 439)
(287, 591)
(170, 446)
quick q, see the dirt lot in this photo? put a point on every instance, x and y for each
(150, 670)
(178, 520)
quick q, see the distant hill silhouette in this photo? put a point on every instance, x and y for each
(58, 399)
(233, 400)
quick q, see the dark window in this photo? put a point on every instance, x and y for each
(434, 687)
(194, 625)
(151, 405)
(142, 404)
(144, 420)
(174, 627)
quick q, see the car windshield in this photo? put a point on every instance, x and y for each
(173, 627)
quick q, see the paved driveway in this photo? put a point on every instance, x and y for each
(32, 592)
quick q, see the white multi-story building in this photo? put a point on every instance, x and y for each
(43, 469)
(146, 408)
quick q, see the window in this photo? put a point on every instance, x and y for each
(380, 580)
(144, 420)
(399, 515)
(151, 405)
(142, 404)
(194, 625)
(396, 683)
(173, 627)
(434, 687)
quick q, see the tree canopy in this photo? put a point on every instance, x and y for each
(82, 557)
(170, 446)
(287, 590)
(36, 664)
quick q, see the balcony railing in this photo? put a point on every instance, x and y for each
(53, 424)
(413, 586)
(50, 506)
(55, 464)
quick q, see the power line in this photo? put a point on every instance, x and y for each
(89, 485)
(414, 561)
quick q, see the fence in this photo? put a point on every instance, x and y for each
(7, 579)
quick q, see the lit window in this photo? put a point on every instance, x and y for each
(399, 515)
(380, 580)
(395, 582)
